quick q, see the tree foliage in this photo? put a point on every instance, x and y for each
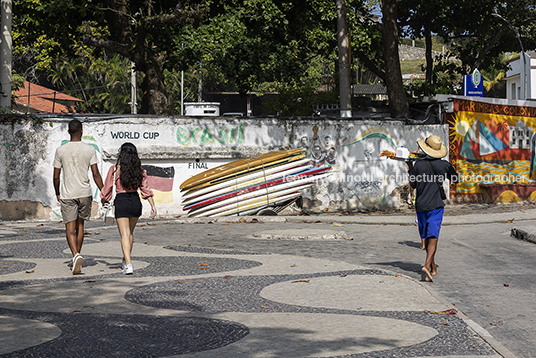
(475, 38)
(251, 45)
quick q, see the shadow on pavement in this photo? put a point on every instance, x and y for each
(406, 266)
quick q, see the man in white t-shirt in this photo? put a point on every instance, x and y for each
(75, 158)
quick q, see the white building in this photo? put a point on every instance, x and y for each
(520, 135)
(515, 77)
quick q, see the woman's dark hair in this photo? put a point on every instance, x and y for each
(131, 172)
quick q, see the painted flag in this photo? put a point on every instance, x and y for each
(161, 182)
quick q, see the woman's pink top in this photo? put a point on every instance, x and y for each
(108, 188)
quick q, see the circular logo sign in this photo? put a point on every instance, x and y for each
(476, 78)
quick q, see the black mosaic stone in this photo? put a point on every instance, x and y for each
(10, 266)
(218, 294)
(112, 335)
(190, 265)
(12, 237)
(207, 250)
(158, 266)
(52, 249)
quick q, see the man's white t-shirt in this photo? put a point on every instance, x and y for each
(74, 160)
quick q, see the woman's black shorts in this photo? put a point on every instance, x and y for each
(127, 205)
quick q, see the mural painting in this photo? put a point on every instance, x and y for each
(160, 180)
(369, 189)
(492, 147)
(321, 152)
(358, 179)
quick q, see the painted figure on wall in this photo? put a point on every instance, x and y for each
(320, 152)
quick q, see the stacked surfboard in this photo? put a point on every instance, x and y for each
(246, 186)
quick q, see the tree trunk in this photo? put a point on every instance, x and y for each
(398, 103)
(344, 61)
(155, 100)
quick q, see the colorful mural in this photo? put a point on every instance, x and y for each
(375, 132)
(368, 188)
(492, 147)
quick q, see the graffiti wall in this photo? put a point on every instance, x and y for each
(174, 149)
(492, 146)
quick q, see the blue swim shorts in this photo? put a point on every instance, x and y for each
(430, 222)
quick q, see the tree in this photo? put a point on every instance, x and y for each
(254, 42)
(398, 103)
(420, 19)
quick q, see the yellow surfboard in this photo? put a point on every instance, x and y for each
(231, 178)
(240, 167)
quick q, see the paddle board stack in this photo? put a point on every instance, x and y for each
(246, 186)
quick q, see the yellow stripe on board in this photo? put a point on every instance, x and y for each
(238, 166)
(234, 175)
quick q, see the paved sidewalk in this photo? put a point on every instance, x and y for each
(193, 301)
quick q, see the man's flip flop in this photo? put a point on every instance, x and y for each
(427, 275)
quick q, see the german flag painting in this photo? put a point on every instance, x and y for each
(161, 182)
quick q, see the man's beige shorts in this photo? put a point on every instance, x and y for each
(72, 209)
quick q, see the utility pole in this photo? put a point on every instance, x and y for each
(200, 84)
(5, 55)
(133, 89)
(182, 93)
(523, 74)
(344, 61)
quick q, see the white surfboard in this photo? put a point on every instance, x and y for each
(251, 208)
(261, 192)
(193, 194)
(262, 197)
(246, 184)
(259, 186)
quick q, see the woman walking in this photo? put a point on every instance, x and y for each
(128, 177)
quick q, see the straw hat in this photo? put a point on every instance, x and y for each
(433, 146)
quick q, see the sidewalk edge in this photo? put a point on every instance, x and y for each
(475, 327)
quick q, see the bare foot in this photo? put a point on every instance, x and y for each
(434, 270)
(427, 276)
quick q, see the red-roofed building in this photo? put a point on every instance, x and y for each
(33, 98)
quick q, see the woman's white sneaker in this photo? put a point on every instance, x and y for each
(77, 264)
(128, 270)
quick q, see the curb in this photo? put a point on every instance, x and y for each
(522, 235)
(475, 327)
(358, 220)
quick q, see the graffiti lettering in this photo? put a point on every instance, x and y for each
(196, 165)
(368, 186)
(480, 107)
(125, 135)
(151, 135)
(134, 135)
(200, 136)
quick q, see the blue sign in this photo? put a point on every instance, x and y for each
(473, 85)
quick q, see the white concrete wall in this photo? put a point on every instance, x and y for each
(190, 145)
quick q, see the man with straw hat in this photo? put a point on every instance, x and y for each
(427, 176)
